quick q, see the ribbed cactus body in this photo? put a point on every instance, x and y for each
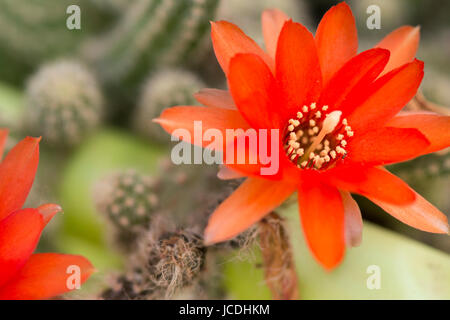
(152, 33)
(165, 88)
(64, 103)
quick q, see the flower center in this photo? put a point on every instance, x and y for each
(316, 139)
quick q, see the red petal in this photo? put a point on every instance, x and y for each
(345, 90)
(183, 117)
(371, 182)
(215, 98)
(228, 40)
(19, 235)
(353, 220)
(387, 145)
(17, 173)
(387, 96)
(402, 43)
(297, 68)
(272, 21)
(420, 214)
(248, 204)
(435, 127)
(45, 275)
(3, 137)
(254, 91)
(322, 216)
(336, 39)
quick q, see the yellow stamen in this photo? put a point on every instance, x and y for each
(329, 124)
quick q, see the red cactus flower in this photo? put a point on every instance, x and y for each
(24, 275)
(338, 115)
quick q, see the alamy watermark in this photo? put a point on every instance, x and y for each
(238, 146)
(374, 280)
(73, 22)
(73, 281)
(374, 20)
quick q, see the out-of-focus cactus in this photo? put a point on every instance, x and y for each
(425, 167)
(115, 6)
(36, 29)
(165, 88)
(150, 34)
(64, 103)
(127, 199)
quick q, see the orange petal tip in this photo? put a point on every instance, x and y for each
(37, 139)
(208, 238)
(211, 237)
(48, 211)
